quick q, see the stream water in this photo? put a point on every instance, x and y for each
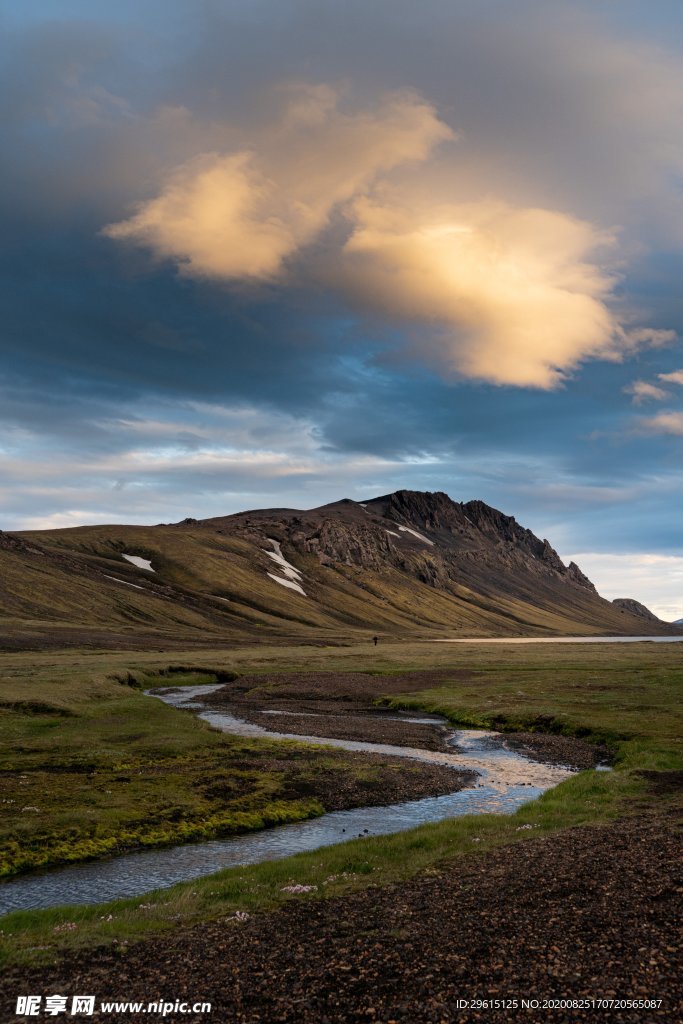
(504, 782)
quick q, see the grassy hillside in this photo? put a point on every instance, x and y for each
(211, 582)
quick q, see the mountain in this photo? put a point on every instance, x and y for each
(408, 564)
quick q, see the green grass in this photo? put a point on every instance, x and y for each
(72, 714)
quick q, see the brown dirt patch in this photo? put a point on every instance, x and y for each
(341, 701)
(341, 780)
(346, 686)
(356, 722)
(664, 783)
(343, 706)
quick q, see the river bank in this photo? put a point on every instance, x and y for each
(487, 778)
(342, 705)
(587, 914)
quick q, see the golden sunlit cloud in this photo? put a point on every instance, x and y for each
(499, 292)
(515, 292)
(240, 215)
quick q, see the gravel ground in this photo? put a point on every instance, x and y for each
(343, 705)
(557, 749)
(355, 722)
(589, 913)
(345, 686)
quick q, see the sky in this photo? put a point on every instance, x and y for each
(273, 253)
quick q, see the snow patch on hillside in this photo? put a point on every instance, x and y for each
(288, 583)
(425, 540)
(125, 582)
(293, 576)
(142, 563)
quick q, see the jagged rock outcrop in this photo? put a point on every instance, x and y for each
(578, 577)
(422, 509)
(629, 604)
(10, 542)
(348, 544)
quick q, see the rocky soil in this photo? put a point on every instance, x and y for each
(588, 914)
(557, 749)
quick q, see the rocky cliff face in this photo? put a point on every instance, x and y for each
(443, 543)
(449, 534)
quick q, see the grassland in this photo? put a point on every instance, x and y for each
(69, 710)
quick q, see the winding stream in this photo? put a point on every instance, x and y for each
(505, 781)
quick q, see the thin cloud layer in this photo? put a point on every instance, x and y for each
(676, 377)
(643, 391)
(664, 423)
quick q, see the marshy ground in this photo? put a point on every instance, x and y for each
(99, 770)
(574, 895)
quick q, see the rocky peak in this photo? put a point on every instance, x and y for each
(502, 528)
(578, 577)
(428, 510)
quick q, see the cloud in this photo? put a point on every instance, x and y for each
(664, 423)
(508, 294)
(517, 294)
(656, 580)
(642, 391)
(572, 108)
(241, 214)
(676, 377)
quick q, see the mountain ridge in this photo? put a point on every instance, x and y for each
(410, 563)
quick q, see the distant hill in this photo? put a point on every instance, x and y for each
(629, 604)
(407, 564)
